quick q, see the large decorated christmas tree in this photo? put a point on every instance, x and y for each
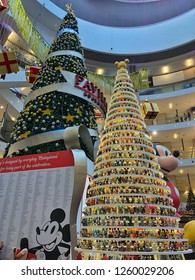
(129, 213)
(190, 206)
(55, 104)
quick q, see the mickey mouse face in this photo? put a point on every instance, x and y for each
(50, 235)
(168, 161)
(163, 151)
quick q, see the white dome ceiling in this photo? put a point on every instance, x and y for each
(127, 13)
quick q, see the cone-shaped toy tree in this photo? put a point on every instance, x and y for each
(129, 213)
(49, 109)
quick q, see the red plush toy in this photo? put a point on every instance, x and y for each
(168, 162)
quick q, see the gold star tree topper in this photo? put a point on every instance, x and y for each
(69, 9)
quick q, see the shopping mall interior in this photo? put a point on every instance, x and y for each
(155, 35)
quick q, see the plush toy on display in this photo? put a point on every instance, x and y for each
(168, 162)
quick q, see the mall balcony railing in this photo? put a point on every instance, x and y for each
(169, 88)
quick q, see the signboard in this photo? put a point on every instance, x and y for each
(36, 197)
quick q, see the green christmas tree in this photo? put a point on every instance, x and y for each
(190, 201)
(49, 110)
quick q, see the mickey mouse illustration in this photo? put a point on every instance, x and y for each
(53, 238)
(168, 162)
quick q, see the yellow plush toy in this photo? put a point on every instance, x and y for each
(189, 232)
(122, 64)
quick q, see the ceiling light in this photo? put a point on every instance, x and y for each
(170, 105)
(165, 69)
(189, 62)
(100, 71)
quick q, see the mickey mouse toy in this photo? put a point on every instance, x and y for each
(168, 162)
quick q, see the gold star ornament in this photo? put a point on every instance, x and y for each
(47, 112)
(69, 118)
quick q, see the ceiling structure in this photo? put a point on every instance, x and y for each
(104, 44)
(121, 13)
(132, 16)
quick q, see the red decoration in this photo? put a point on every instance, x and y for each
(31, 73)
(3, 5)
(8, 63)
(105, 257)
(174, 194)
(79, 256)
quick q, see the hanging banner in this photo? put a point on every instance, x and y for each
(36, 42)
(39, 200)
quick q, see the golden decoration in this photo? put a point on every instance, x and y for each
(24, 135)
(122, 64)
(79, 111)
(59, 68)
(73, 38)
(47, 111)
(69, 9)
(75, 62)
(69, 118)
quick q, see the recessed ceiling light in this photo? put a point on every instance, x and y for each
(189, 62)
(100, 71)
(170, 105)
(165, 69)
